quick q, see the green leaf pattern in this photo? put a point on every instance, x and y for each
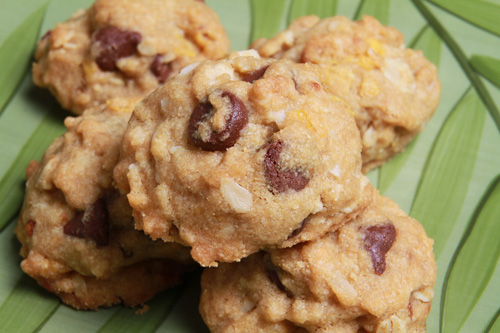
(473, 263)
(439, 179)
(449, 165)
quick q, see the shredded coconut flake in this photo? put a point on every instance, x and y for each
(335, 171)
(278, 117)
(248, 53)
(163, 104)
(236, 196)
(421, 297)
(189, 68)
(175, 149)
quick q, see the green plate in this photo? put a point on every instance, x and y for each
(447, 178)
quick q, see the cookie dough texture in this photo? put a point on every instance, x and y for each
(333, 284)
(77, 232)
(392, 90)
(124, 48)
(240, 154)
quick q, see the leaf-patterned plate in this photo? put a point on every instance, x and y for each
(447, 178)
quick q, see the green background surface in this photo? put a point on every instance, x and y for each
(447, 178)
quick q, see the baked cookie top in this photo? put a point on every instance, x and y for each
(124, 48)
(231, 156)
(392, 90)
(77, 231)
(375, 274)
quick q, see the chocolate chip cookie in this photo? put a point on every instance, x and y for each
(77, 231)
(392, 90)
(236, 155)
(373, 274)
(120, 48)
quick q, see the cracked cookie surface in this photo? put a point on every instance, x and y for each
(234, 155)
(120, 48)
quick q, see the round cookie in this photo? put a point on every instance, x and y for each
(236, 155)
(373, 274)
(77, 231)
(124, 48)
(392, 90)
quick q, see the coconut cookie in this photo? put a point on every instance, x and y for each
(235, 155)
(77, 231)
(373, 274)
(392, 90)
(124, 48)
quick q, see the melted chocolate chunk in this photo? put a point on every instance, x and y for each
(281, 180)
(115, 44)
(255, 75)
(227, 137)
(160, 69)
(378, 241)
(91, 224)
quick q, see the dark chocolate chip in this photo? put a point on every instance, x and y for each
(91, 224)
(30, 227)
(114, 44)
(281, 180)
(255, 75)
(227, 137)
(160, 69)
(378, 241)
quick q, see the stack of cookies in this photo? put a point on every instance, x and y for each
(251, 165)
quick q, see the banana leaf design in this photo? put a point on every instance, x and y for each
(447, 178)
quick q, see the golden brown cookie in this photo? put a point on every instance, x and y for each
(392, 90)
(77, 231)
(124, 48)
(236, 155)
(374, 274)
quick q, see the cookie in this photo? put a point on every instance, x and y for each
(374, 274)
(77, 231)
(236, 155)
(392, 90)
(121, 48)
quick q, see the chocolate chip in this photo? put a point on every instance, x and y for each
(160, 69)
(30, 227)
(255, 75)
(91, 224)
(227, 137)
(114, 44)
(281, 180)
(378, 241)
